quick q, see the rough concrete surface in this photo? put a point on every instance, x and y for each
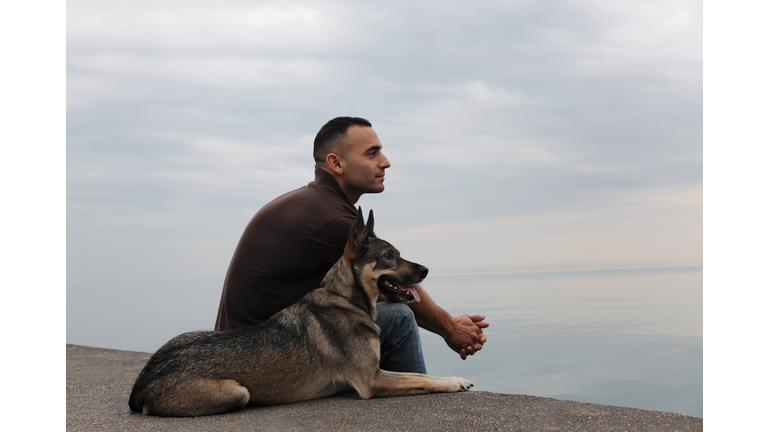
(99, 382)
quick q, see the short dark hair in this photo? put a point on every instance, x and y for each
(332, 136)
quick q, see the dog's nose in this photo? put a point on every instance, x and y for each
(423, 271)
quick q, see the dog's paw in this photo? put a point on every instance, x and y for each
(463, 384)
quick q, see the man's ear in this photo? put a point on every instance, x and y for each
(335, 163)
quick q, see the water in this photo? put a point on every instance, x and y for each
(623, 337)
(628, 338)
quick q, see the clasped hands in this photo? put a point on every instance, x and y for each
(466, 337)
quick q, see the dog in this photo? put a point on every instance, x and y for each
(325, 343)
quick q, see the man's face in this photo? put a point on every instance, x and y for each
(365, 163)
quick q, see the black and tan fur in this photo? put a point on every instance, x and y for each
(323, 344)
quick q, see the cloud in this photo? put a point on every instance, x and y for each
(651, 228)
(183, 118)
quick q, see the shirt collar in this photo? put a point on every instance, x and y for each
(325, 180)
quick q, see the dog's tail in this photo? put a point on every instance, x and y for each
(137, 399)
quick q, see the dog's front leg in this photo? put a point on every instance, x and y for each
(386, 383)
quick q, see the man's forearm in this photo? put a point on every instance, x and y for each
(462, 333)
(429, 315)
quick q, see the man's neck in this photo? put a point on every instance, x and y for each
(353, 198)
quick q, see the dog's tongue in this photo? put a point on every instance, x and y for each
(414, 293)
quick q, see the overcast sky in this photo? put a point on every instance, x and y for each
(522, 134)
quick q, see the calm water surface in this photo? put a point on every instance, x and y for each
(622, 337)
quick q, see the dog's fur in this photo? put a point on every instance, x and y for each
(325, 343)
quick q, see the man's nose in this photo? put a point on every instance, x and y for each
(384, 162)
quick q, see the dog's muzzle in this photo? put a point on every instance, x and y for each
(402, 291)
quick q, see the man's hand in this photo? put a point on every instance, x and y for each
(462, 333)
(466, 337)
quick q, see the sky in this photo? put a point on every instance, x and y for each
(523, 135)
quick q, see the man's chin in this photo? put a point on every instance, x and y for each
(376, 188)
(373, 189)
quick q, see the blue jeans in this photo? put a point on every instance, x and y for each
(399, 337)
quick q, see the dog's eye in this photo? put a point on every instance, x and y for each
(388, 255)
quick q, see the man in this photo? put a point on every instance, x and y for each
(292, 242)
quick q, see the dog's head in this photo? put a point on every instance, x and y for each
(378, 265)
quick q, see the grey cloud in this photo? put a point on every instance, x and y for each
(505, 108)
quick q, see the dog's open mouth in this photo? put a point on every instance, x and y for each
(393, 291)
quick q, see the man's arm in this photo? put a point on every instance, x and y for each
(462, 333)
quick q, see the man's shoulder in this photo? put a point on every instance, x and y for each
(312, 206)
(312, 197)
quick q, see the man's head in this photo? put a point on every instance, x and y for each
(349, 149)
(332, 137)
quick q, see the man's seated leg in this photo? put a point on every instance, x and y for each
(400, 341)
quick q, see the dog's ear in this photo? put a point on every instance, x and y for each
(369, 226)
(357, 235)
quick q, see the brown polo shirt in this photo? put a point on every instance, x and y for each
(285, 251)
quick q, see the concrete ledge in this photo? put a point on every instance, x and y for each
(99, 382)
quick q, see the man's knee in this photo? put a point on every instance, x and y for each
(391, 311)
(399, 337)
(396, 322)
